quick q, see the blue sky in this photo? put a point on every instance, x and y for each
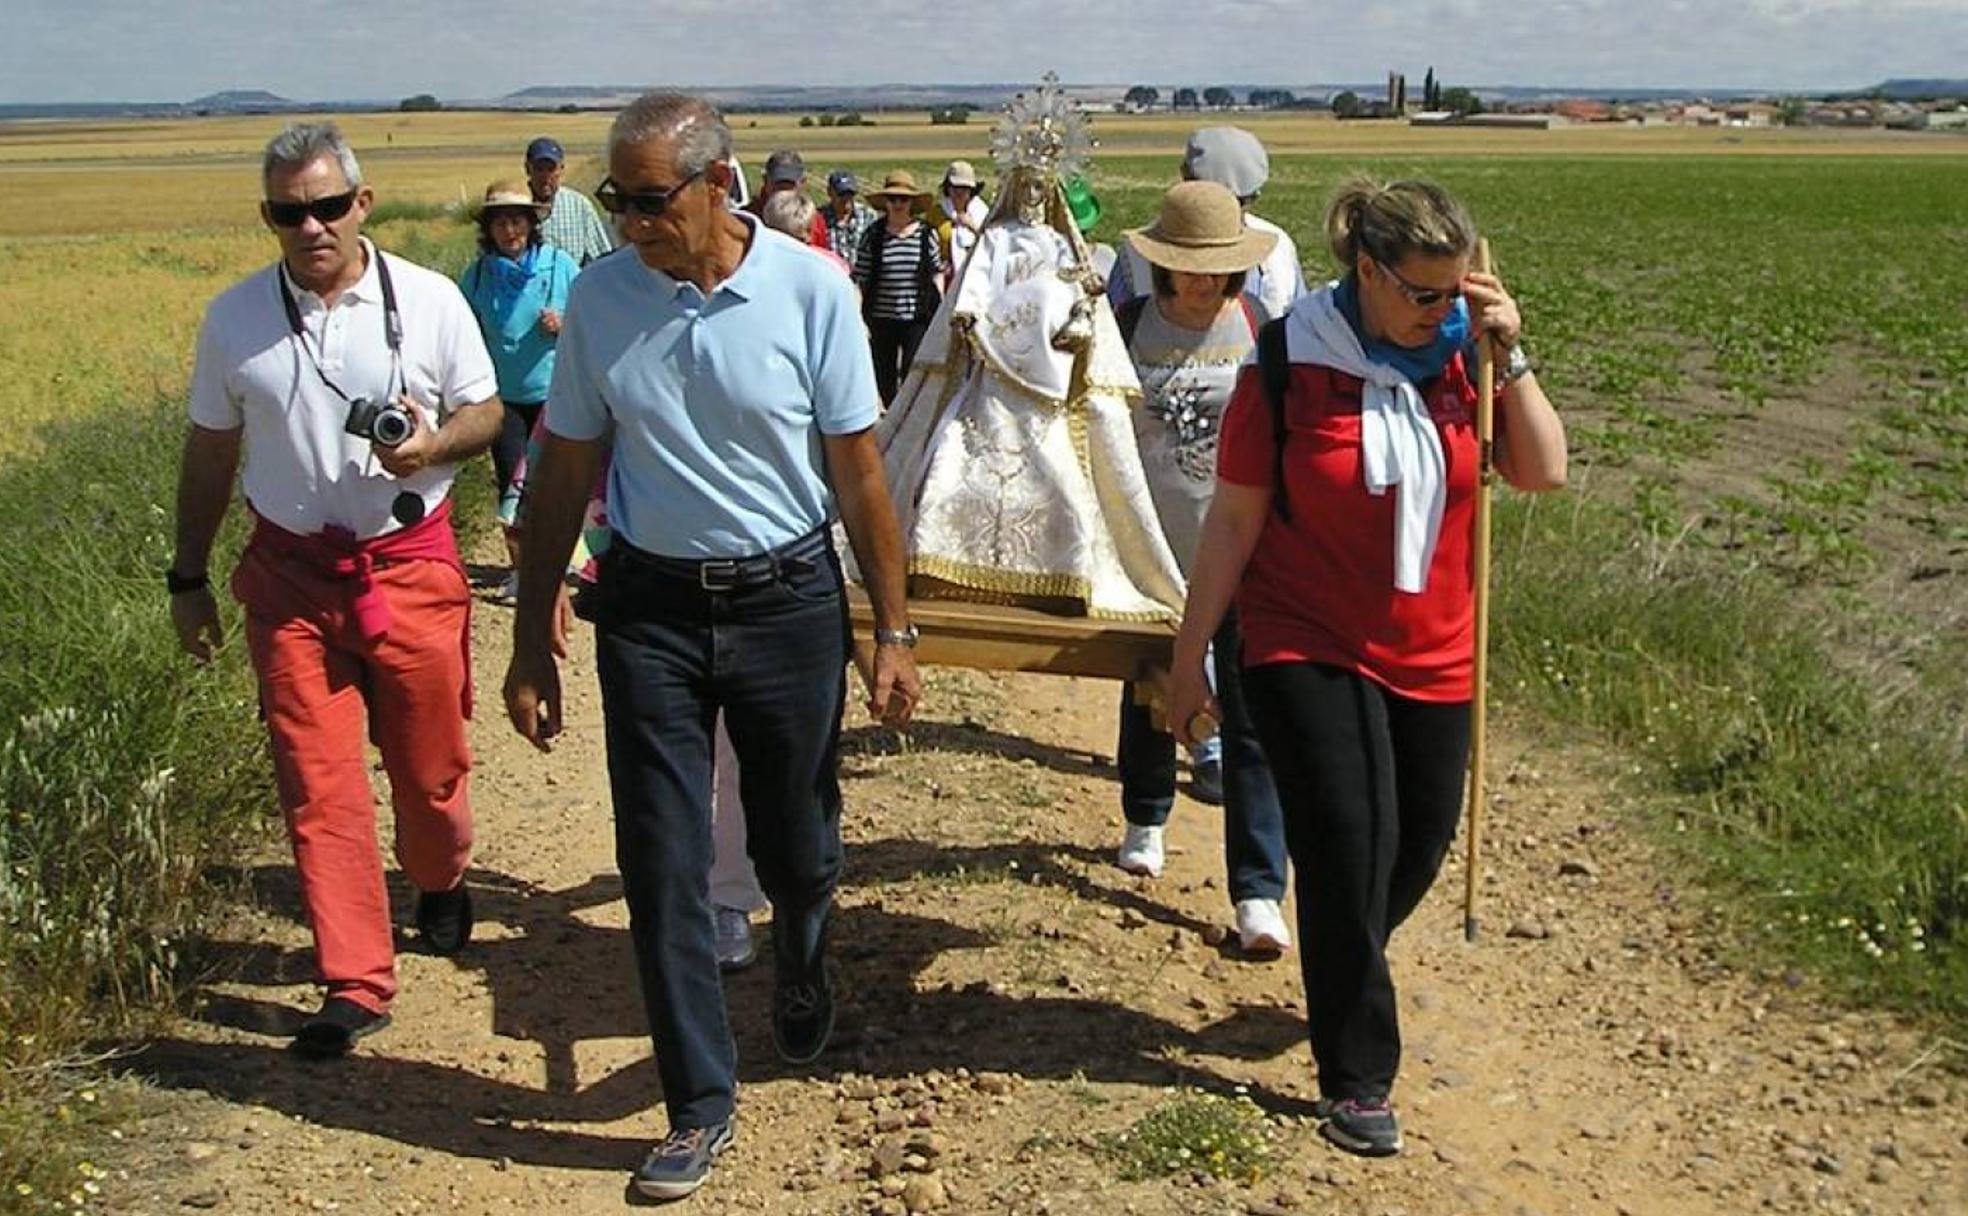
(90, 50)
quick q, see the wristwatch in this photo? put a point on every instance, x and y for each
(1515, 367)
(184, 584)
(905, 636)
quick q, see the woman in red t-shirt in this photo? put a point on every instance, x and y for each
(1348, 557)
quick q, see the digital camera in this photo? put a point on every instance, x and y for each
(388, 424)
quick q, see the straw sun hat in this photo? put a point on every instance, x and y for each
(900, 183)
(1200, 230)
(508, 194)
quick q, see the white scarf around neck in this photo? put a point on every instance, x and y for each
(1399, 444)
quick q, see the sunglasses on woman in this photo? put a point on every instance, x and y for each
(647, 203)
(326, 210)
(1421, 297)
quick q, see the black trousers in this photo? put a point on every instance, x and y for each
(510, 447)
(671, 656)
(894, 344)
(1372, 788)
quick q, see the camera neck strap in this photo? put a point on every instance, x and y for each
(392, 324)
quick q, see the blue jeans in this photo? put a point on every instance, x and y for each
(1253, 823)
(771, 656)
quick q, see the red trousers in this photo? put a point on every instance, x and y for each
(321, 684)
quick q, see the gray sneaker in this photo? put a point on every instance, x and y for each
(1361, 1125)
(731, 930)
(682, 1161)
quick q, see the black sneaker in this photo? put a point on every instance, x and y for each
(1361, 1125)
(444, 919)
(333, 1031)
(682, 1161)
(802, 1017)
(1206, 782)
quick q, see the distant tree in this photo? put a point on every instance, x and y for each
(1185, 99)
(852, 118)
(422, 101)
(1791, 111)
(824, 120)
(1461, 101)
(949, 115)
(570, 108)
(806, 120)
(1142, 97)
(1216, 97)
(1431, 91)
(1346, 104)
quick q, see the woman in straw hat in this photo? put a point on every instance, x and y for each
(1187, 339)
(517, 287)
(961, 212)
(1342, 524)
(897, 271)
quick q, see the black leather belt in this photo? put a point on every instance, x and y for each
(732, 573)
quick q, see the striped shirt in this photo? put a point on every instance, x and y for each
(892, 269)
(575, 227)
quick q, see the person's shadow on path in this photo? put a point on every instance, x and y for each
(558, 980)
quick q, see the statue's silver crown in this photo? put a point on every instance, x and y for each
(1043, 130)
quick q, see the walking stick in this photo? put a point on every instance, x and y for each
(1480, 577)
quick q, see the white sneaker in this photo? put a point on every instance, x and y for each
(1261, 927)
(731, 930)
(1141, 851)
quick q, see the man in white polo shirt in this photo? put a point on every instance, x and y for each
(356, 383)
(724, 368)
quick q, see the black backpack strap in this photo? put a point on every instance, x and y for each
(1274, 367)
(1251, 315)
(1128, 317)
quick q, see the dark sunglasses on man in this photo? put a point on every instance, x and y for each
(647, 203)
(326, 210)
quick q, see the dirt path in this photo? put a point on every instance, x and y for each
(1007, 995)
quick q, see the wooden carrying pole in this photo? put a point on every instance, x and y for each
(1480, 580)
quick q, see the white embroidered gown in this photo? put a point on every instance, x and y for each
(1013, 465)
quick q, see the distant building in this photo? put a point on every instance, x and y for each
(1518, 122)
(1750, 114)
(1843, 114)
(1583, 109)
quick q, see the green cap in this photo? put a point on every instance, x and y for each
(1081, 202)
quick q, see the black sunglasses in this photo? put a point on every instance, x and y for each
(647, 203)
(327, 210)
(1420, 297)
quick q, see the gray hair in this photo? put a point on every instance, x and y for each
(789, 211)
(303, 142)
(692, 126)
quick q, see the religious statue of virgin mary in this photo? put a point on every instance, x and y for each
(1010, 448)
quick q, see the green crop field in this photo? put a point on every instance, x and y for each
(1754, 588)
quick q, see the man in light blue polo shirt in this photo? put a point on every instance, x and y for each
(724, 369)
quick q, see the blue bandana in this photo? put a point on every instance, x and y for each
(1417, 363)
(509, 278)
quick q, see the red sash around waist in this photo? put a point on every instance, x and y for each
(338, 553)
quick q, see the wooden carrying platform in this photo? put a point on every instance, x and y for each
(995, 637)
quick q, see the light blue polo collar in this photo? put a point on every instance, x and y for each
(740, 284)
